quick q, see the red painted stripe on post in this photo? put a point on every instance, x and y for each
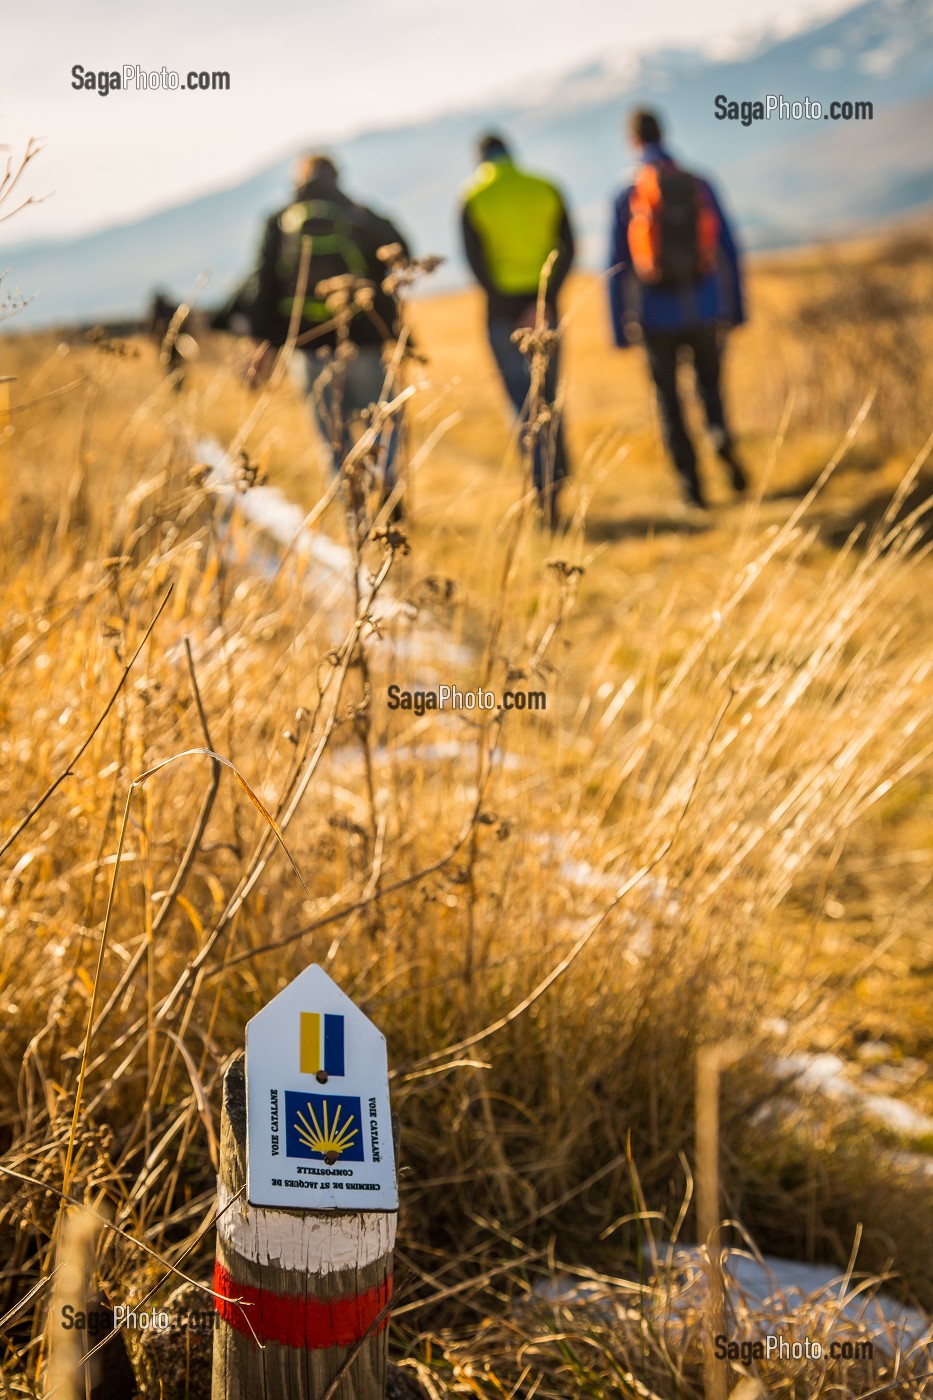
(308, 1323)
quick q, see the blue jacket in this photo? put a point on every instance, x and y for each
(716, 298)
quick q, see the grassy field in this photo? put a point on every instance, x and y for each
(718, 833)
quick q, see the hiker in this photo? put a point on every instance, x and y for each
(345, 240)
(511, 223)
(675, 282)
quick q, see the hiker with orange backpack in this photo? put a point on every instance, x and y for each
(675, 282)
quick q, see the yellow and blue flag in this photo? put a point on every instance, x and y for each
(321, 1044)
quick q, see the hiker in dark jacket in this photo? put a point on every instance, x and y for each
(675, 283)
(345, 238)
(511, 223)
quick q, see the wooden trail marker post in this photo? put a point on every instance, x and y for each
(5, 483)
(304, 1253)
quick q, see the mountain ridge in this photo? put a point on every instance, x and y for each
(786, 182)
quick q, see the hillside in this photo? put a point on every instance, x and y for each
(710, 848)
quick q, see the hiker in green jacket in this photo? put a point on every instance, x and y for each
(511, 223)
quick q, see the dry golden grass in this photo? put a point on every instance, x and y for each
(722, 821)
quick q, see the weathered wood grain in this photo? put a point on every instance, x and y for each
(314, 1288)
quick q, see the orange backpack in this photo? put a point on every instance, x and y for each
(673, 231)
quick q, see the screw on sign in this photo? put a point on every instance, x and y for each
(307, 1203)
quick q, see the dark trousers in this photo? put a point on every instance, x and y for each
(664, 349)
(550, 456)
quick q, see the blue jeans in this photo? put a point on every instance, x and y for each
(550, 458)
(339, 393)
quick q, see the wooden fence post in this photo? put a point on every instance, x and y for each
(304, 1294)
(5, 476)
(711, 1060)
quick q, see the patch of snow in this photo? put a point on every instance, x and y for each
(429, 647)
(781, 1286)
(586, 876)
(564, 1291)
(873, 1050)
(901, 1073)
(917, 1163)
(771, 1288)
(444, 751)
(329, 563)
(826, 1074)
(273, 514)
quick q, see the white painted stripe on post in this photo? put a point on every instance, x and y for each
(326, 1243)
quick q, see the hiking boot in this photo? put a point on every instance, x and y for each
(736, 470)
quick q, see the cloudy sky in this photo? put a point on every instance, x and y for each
(300, 71)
